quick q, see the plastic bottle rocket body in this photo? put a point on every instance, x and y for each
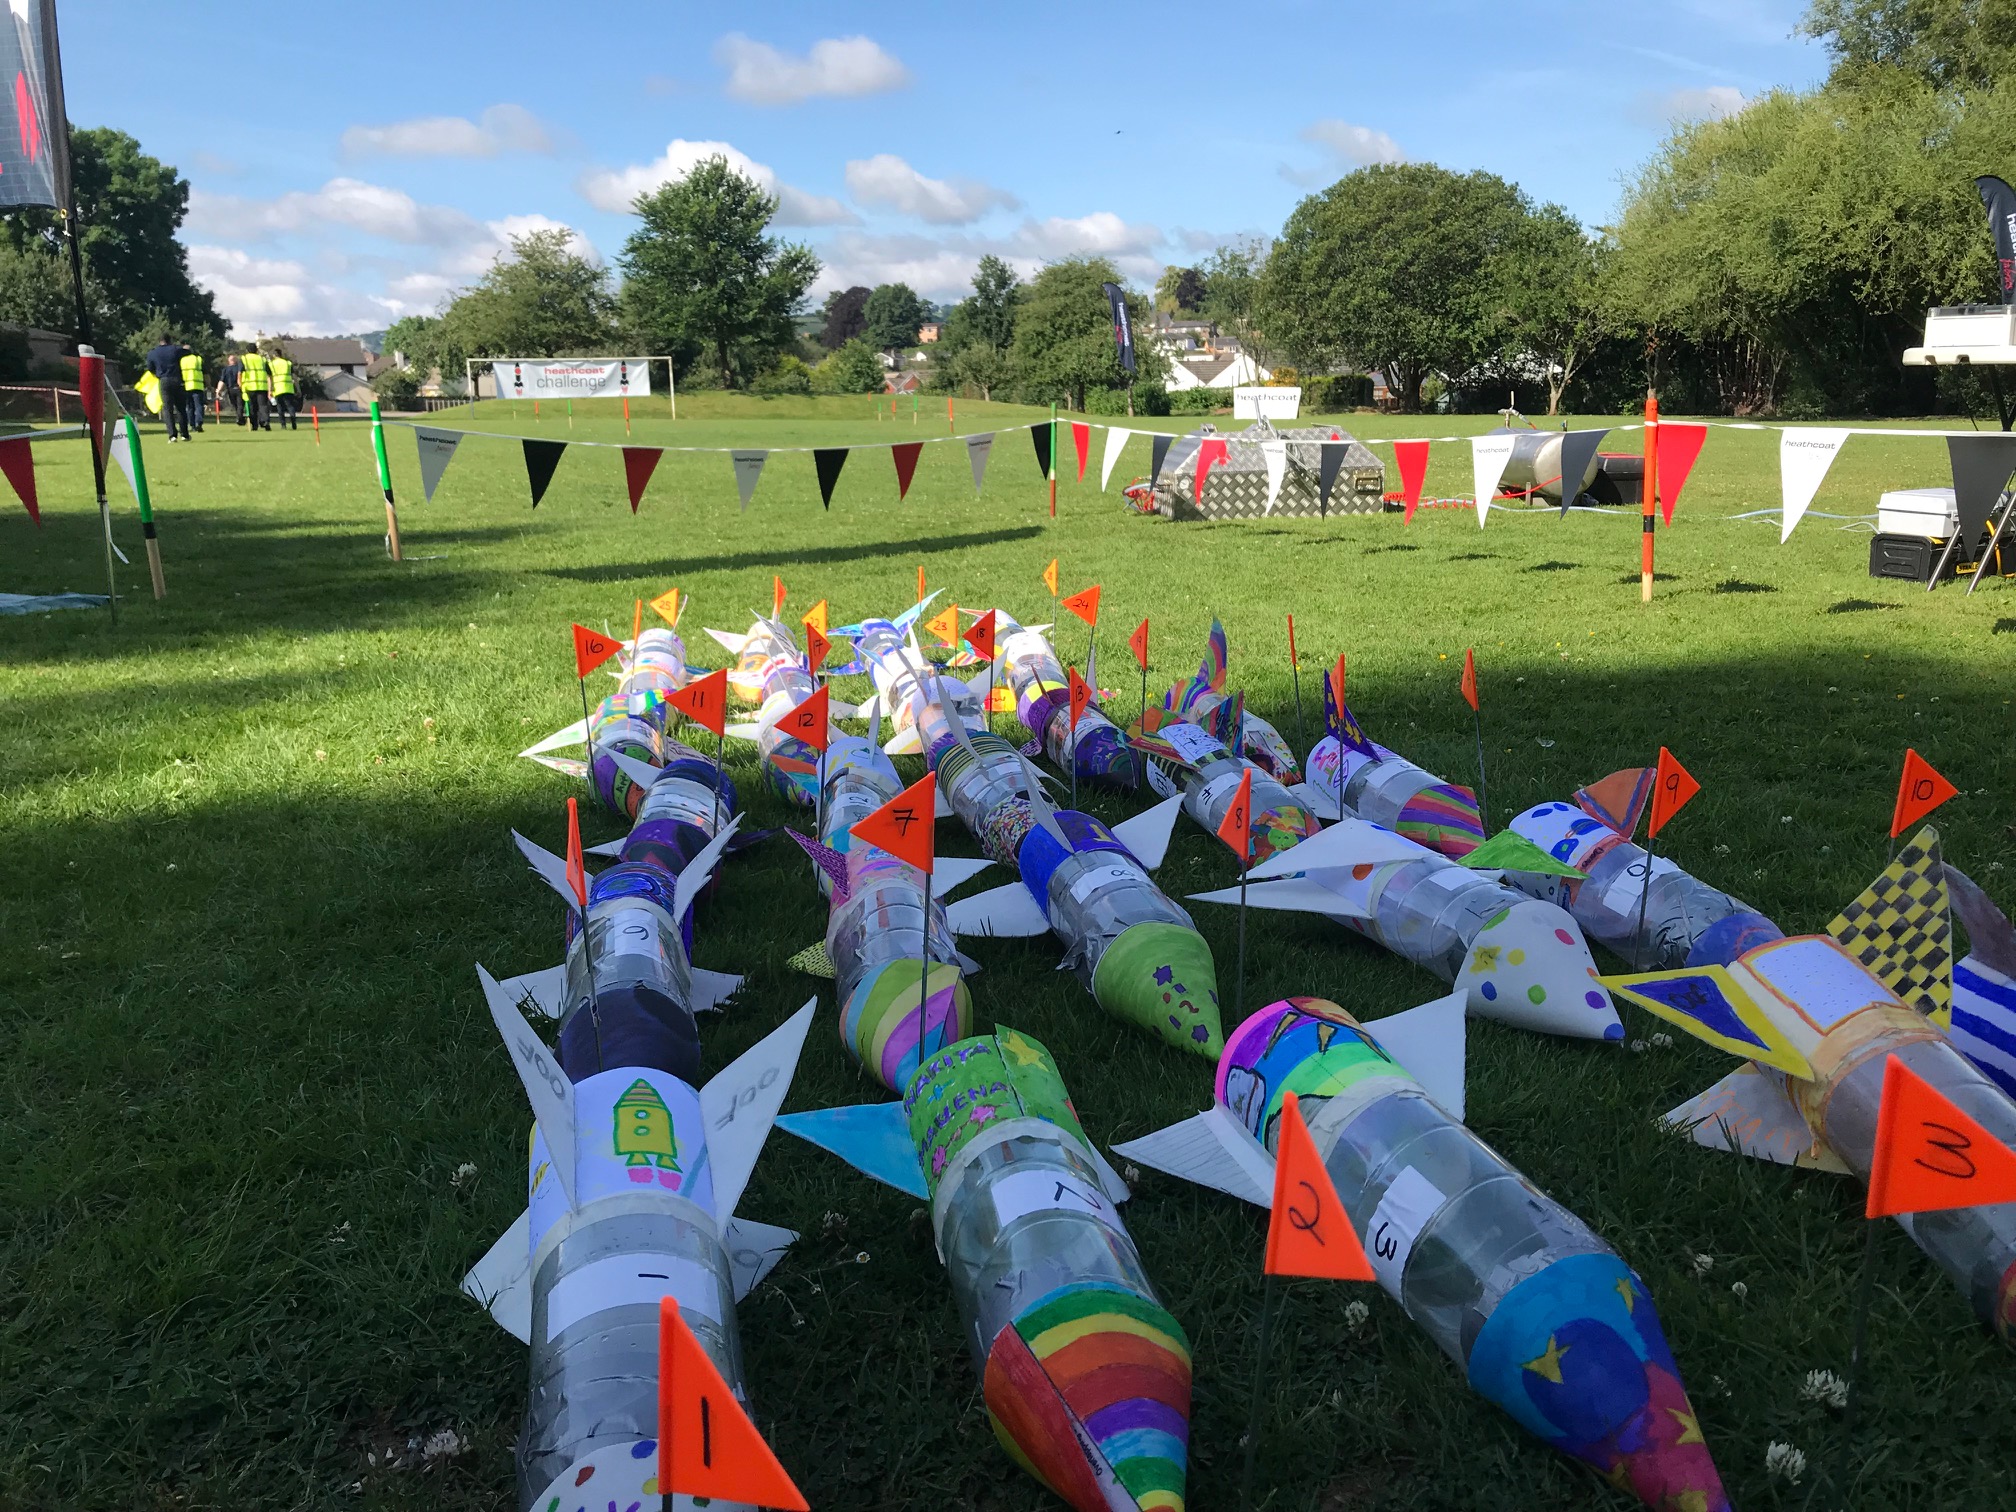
(983, 780)
(771, 673)
(1386, 788)
(1043, 704)
(1543, 1317)
(1085, 1375)
(908, 687)
(1182, 757)
(1686, 922)
(1201, 701)
(631, 721)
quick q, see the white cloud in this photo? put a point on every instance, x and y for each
(1711, 102)
(1100, 234)
(616, 189)
(837, 66)
(941, 267)
(1359, 146)
(261, 294)
(370, 208)
(888, 180)
(521, 225)
(501, 128)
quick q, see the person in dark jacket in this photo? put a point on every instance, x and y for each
(165, 363)
(227, 387)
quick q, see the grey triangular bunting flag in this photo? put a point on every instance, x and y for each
(1327, 467)
(748, 468)
(437, 450)
(977, 448)
(1577, 447)
(1158, 456)
(1981, 466)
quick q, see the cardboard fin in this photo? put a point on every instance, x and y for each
(906, 742)
(1212, 1149)
(548, 867)
(753, 1251)
(566, 735)
(544, 990)
(546, 1085)
(1290, 894)
(1147, 833)
(700, 868)
(608, 848)
(502, 1280)
(740, 1102)
(1749, 1113)
(1348, 842)
(746, 730)
(1710, 1004)
(1320, 801)
(713, 988)
(1006, 912)
(729, 641)
(566, 766)
(1429, 1044)
(949, 872)
(640, 772)
(874, 1138)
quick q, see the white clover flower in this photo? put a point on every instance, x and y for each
(1637, 1047)
(1703, 1264)
(1825, 1387)
(464, 1174)
(1663, 1040)
(1741, 1289)
(1355, 1314)
(861, 1257)
(1784, 1460)
(442, 1442)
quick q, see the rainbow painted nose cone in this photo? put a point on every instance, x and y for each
(1161, 977)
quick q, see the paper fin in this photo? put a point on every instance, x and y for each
(546, 1085)
(1007, 912)
(874, 1138)
(1429, 1044)
(502, 1279)
(640, 772)
(1710, 1004)
(548, 867)
(1147, 833)
(741, 1101)
(1901, 928)
(610, 848)
(753, 1251)
(566, 766)
(700, 868)
(1748, 1113)
(747, 730)
(1212, 1149)
(950, 871)
(729, 641)
(544, 990)
(1348, 842)
(905, 742)
(567, 735)
(713, 988)
(1320, 801)
(1291, 894)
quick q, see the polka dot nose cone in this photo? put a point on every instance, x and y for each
(1530, 966)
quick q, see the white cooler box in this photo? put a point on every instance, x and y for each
(1917, 512)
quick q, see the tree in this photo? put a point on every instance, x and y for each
(843, 317)
(129, 206)
(1390, 268)
(893, 314)
(428, 343)
(1064, 334)
(541, 299)
(1232, 294)
(702, 275)
(1949, 44)
(1551, 300)
(853, 369)
(974, 347)
(1181, 291)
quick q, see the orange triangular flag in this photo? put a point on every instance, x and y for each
(776, 597)
(704, 702)
(591, 650)
(1236, 829)
(1672, 786)
(1336, 675)
(816, 616)
(809, 721)
(816, 647)
(1470, 678)
(1919, 791)
(1929, 1155)
(666, 607)
(981, 636)
(1081, 695)
(1309, 1233)
(903, 826)
(577, 865)
(1138, 644)
(1050, 577)
(706, 1444)
(946, 624)
(1085, 604)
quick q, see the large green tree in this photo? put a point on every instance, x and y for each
(1393, 267)
(129, 206)
(702, 274)
(892, 316)
(540, 299)
(1063, 342)
(1960, 44)
(974, 348)
(1231, 297)
(1552, 305)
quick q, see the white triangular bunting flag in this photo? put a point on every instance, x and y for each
(1116, 442)
(748, 468)
(977, 448)
(1275, 455)
(1804, 455)
(437, 450)
(1488, 456)
(122, 451)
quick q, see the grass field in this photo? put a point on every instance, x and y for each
(253, 841)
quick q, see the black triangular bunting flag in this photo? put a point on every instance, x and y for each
(1326, 473)
(1158, 455)
(541, 457)
(829, 460)
(1040, 434)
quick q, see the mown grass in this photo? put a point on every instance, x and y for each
(254, 840)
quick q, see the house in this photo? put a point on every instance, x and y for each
(902, 383)
(1174, 336)
(344, 364)
(1215, 370)
(931, 330)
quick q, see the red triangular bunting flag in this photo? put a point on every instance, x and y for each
(19, 464)
(809, 722)
(1081, 437)
(1919, 791)
(638, 465)
(1309, 1233)
(1679, 445)
(1931, 1156)
(1672, 786)
(981, 636)
(591, 649)
(1138, 644)
(1085, 604)
(1208, 453)
(904, 825)
(706, 1444)
(1470, 677)
(1411, 457)
(1081, 695)
(577, 864)
(704, 702)
(1236, 829)
(906, 457)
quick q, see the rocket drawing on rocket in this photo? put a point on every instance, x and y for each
(1543, 1317)
(1817, 1018)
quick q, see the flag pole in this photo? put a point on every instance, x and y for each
(1649, 491)
(924, 977)
(1295, 672)
(385, 485)
(1645, 892)
(1483, 820)
(1259, 1381)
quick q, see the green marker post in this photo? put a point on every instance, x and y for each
(385, 484)
(146, 503)
(1053, 461)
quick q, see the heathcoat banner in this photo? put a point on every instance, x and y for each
(572, 377)
(2001, 202)
(34, 137)
(1804, 455)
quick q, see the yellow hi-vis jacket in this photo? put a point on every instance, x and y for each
(254, 377)
(192, 372)
(283, 375)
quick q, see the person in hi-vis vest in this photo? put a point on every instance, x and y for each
(286, 401)
(255, 379)
(193, 388)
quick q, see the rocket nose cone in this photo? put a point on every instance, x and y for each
(1576, 1353)
(1279, 827)
(1530, 966)
(1161, 977)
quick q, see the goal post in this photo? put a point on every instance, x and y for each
(472, 374)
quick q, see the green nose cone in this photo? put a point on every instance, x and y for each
(1160, 976)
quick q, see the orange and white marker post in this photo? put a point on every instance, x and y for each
(315, 422)
(1648, 502)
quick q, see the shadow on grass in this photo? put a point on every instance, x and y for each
(1858, 606)
(736, 561)
(1555, 567)
(1737, 585)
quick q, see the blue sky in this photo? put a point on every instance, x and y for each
(351, 165)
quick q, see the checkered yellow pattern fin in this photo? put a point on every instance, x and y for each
(1902, 930)
(813, 961)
